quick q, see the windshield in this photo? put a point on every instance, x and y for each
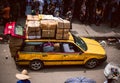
(80, 42)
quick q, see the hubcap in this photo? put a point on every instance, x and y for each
(92, 63)
(36, 65)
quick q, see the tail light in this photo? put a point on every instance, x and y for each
(17, 55)
(1, 38)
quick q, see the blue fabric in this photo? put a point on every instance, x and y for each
(57, 1)
(54, 1)
(48, 1)
(23, 81)
(80, 80)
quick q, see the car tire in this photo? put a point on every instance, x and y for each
(36, 65)
(92, 63)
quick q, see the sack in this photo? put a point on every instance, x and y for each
(48, 47)
(19, 30)
(80, 80)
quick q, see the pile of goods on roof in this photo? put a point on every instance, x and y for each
(46, 26)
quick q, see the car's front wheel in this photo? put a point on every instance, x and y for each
(91, 63)
(36, 65)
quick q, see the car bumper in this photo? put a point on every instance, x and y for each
(103, 59)
(22, 62)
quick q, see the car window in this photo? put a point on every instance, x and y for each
(52, 47)
(57, 47)
(42, 47)
(80, 43)
(48, 47)
(28, 48)
(70, 47)
(32, 47)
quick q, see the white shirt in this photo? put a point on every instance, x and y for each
(108, 73)
(67, 48)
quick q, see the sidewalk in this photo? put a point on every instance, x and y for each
(93, 31)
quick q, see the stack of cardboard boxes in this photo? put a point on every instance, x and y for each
(37, 28)
(63, 28)
(33, 27)
(48, 28)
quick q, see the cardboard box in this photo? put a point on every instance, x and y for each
(31, 35)
(63, 24)
(32, 26)
(33, 23)
(66, 36)
(48, 33)
(66, 30)
(59, 30)
(59, 36)
(33, 17)
(48, 24)
(38, 34)
(32, 29)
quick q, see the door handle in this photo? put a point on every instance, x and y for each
(44, 55)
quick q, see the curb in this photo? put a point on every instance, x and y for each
(103, 38)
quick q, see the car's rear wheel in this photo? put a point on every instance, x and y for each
(91, 63)
(36, 65)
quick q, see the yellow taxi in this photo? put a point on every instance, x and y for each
(74, 51)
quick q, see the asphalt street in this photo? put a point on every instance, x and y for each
(53, 74)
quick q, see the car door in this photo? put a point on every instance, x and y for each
(52, 57)
(76, 56)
